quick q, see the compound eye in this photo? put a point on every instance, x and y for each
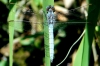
(48, 7)
(53, 9)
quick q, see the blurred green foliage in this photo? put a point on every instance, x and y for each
(29, 45)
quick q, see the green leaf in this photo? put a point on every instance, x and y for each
(11, 17)
(84, 51)
(27, 41)
(4, 1)
(11, 5)
(82, 57)
(78, 58)
(97, 28)
(37, 2)
(3, 62)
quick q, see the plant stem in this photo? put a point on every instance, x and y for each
(46, 33)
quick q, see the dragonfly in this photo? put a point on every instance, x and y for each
(51, 21)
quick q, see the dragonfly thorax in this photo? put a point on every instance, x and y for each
(50, 16)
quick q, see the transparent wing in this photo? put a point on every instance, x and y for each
(74, 16)
(27, 20)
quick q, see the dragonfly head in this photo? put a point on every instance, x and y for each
(50, 8)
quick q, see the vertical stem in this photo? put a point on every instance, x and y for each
(11, 31)
(11, 34)
(46, 33)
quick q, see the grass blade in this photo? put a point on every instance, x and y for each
(11, 33)
(84, 51)
(46, 32)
